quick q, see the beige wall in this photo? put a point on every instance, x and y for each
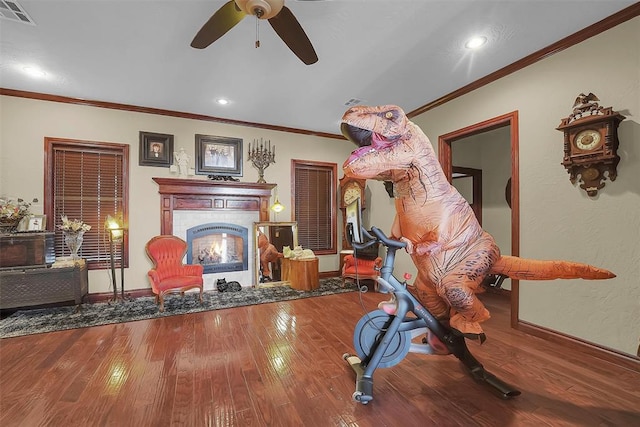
(491, 152)
(558, 220)
(26, 122)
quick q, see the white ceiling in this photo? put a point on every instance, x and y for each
(404, 52)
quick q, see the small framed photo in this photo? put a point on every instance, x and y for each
(37, 223)
(156, 149)
(218, 155)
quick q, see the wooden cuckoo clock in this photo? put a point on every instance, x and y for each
(591, 143)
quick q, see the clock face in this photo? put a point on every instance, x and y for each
(350, 194)
(587, 140)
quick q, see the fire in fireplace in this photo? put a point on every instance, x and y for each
(219, 247)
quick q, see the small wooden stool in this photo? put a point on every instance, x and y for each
(302, 274)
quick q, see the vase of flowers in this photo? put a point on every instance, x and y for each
(11, 212)
(73, 231)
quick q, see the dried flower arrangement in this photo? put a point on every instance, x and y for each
(73, 226)
(11, 212)
(14, 210)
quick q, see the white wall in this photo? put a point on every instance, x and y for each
(26, 122)
(558, 219)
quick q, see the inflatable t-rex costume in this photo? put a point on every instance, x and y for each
(451, 251)
(268, 253)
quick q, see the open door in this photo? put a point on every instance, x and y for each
(468, 181)
(445, 158)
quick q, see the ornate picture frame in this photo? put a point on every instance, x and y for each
(218, 155)
(156, 149)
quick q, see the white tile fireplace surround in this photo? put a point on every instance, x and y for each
(187, 203)
(183, 220)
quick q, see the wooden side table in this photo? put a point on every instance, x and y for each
(302, 274)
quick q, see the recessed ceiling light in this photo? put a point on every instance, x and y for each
(222, 101)
(475, 42)
(34, 71)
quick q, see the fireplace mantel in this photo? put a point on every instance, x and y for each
(200, 194)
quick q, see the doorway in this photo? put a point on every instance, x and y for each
(471, 187)
(446, 161)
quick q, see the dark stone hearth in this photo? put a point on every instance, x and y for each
(29, 322)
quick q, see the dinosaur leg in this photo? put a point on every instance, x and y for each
(425, 291)
(459, 285)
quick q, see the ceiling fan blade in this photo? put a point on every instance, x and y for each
(217, 26)
(288, 28)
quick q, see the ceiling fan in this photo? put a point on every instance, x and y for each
(279, 16)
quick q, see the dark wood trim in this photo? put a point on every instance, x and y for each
(106, 296)
(333, 199)
(578, 37)
(49, 143)
(607, 354)
(200, 194)
(159, 111)
(327, 274)
(445, 158)
(444, 153)
(575, 38)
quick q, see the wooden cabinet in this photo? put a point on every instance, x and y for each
(302, 274)
(26, 249)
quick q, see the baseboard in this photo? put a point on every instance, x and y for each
(327, 274)
(137, 293)
(106, 296)
(615, 357)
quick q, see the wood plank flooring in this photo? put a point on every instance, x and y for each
(280, 364)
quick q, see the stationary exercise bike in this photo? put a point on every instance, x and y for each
(382, 340)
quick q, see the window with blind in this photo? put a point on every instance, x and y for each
(314, 200)
(88, 181)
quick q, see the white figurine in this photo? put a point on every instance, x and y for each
(182, 158)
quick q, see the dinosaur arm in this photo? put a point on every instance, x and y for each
(396, 233)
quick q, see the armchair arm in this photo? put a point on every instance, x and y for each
(193, 269)
(348, 261)
(154, 276)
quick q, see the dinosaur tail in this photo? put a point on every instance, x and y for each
(530, 269)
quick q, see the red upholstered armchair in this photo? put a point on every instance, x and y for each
(169, 273)
(360, 268)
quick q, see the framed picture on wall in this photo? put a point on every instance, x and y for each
(156, 149)
(218, 155)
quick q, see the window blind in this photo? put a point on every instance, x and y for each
(87, 183)
(314, 195)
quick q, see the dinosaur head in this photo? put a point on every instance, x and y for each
(378, 131)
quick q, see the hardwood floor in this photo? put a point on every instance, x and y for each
(281, 364)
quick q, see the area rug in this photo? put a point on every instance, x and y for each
(37, 321)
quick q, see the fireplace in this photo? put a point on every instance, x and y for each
(218, 247)
(189, 204)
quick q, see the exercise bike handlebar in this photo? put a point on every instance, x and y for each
(378, 236)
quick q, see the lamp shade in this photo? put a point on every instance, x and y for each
(114, 227)
(277, 207)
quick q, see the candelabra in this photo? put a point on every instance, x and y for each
(262, 156)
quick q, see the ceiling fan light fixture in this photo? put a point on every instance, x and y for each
(263, 9)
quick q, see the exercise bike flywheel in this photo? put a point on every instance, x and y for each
(368, 333)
